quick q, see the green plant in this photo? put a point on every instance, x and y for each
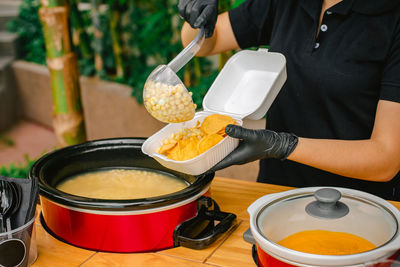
(17, 170)
(29, 31)
(6, 140)
(127, 39)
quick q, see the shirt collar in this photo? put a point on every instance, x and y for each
(367, 7)
(343, 8)
(374, 7)
(313, 7)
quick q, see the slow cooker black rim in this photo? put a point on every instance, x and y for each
(51, 193)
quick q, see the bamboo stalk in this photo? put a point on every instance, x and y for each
(67, 109)
(197, 70)
(223, 58)
(187, 75)
(192, 74)
(79, 36)
(98, 37)
(117, 47)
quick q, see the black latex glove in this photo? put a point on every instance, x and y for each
(257, 144)
(200, 13)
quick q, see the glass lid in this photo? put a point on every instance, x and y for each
(331, 210)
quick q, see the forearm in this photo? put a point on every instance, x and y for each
(368, 159)
(222, 40)
(188, 34)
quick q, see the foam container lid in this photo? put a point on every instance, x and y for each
(247, 85)
(245, 88)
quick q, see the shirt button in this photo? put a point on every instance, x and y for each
(324, 28)
(328, 12)
(316, 45)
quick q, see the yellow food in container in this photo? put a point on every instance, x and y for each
(191, 142)
(244, 89)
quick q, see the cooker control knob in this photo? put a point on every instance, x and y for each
(327, 205)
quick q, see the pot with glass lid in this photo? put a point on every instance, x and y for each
(324, 226)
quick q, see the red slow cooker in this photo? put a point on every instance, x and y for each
(185, 218)
(276, 216)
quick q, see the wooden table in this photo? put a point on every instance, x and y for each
(229, 250)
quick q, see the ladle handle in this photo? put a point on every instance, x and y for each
(188, 53)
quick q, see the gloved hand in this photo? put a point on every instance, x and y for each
(257, 144)
(199, 13)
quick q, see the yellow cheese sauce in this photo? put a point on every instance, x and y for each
(326, 243)
(121, 184)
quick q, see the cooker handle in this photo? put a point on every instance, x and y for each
(248, 237)
(201, 231)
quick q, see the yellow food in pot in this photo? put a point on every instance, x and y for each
(326, 243)
(121, 184)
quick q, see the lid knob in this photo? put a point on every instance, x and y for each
(327, 205)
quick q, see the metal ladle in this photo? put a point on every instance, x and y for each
(10, 198)
(164, 95)
(6, 198)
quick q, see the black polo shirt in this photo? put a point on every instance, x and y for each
(335, 79)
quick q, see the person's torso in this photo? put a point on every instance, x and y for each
(333, 84)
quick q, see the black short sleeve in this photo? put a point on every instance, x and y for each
(390, 85)
(252, 22)
(334, 79)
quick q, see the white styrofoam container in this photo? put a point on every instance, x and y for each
(245, 88)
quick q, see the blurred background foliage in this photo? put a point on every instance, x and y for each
(122, 41)
(17, 170)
